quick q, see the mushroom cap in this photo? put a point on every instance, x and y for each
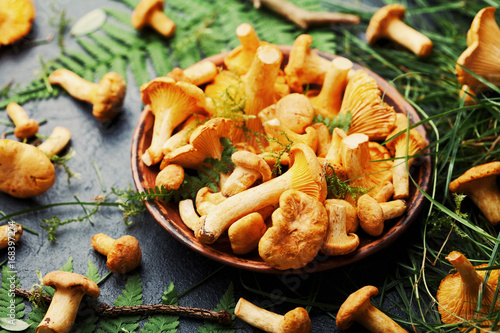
(371, 215)
(465, 182)
(143, 10)
(16, 18)
(299, 227)
(338, 241)
(125, 255)
(68, 280)
(457, 295)
(295, 111)
(26, 130)
(171, 177)
(354, 305)
(25, 171)
(382, 18)
(249, 160)
(481, 55)
(295, 321)
(245, 233)
(109, 96)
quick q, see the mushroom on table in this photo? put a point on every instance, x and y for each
(9, 234)
(150, 13)
(123, 254)
(69, 291)
(25, 127)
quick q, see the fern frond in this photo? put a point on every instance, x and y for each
(164, 323)
(226, 303)
(7, 299)
(137, 61)
(119, 15)
(159, 54)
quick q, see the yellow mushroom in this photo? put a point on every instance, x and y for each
(482, 53)
(106, 97)
(123, 254)
(480, 184)
(329, 100)
(188, 214)
(150, 13)
(200, 73)
(338, 241)
(305, 66)
(370, 114)
(56, 142)
(206, 200)
(170, 177)
(403, 152)
(171, 103)
(358, 308)
(458, 293)
(10, 234)
(324, 139)
(305, 174)
(245, 233)
(387, 22)
(240, 59)
(69, 291)
(373, 214)
(25, 127)
(294, 111)
(16, 19)
(294, 321)
(297, 233)
(25, 171)
(284, 136)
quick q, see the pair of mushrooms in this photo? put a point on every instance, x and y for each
(27, 170)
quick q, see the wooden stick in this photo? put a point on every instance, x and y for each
(304, 18)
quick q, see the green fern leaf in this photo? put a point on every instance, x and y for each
(137, 61)
(83, 58)
(93, 49)
(131, 295)
(92, 272)
(70, 63)
(158, 53)
(119, 65)
(120, 16)
(164, 323)
(9, 303)
(131, 3)
(85, 324)
(127, 37)
(226, 303)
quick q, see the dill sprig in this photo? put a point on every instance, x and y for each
(63, 162)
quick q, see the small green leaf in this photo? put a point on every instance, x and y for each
(13, 325)
(89, 22)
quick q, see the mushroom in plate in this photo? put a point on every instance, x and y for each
(16, 19)
(245, 233)
(123, 254)
(69, 291)
(338, 241)
(199, 73)
(172, 103)
(373, 214)
(458, 293)
(107, 96)
(150, 13)
(297, 233)
(304, 174)
(25, 171)
(387, 22)
(25, 127)
(479, 183)
(358, 308)
(170, 177)
(294, 321)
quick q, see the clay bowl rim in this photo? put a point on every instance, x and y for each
(167, 215)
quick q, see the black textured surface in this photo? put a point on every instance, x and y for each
(164, 259)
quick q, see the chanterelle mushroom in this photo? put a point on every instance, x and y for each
(305, 174)
(338, 240)
(480, 185)
(370, 114)
(458, 293)
(240, 58)
(358, 308)
(107, 96)
(150, 13)
(373, 214)
(10, 233)
(123, 254)
(482, 53)
(299, 228)
(244, 234)
(171, 103)
(56, 141)
(16, 18)
(387, 23)
(70, 289)
(294, 321)
(25, 127)
(25, 171)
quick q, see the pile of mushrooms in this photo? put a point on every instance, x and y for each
(286, 217)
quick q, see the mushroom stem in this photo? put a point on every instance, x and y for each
(248, 37)
(161, 23)
(303, 18)
(102, 243)
(467, 272)
(25, 127)
(486, 196)
(377, 321)
(56, 142)
(62, 312)
(408, 37)
(260, 318)
(75, 85)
